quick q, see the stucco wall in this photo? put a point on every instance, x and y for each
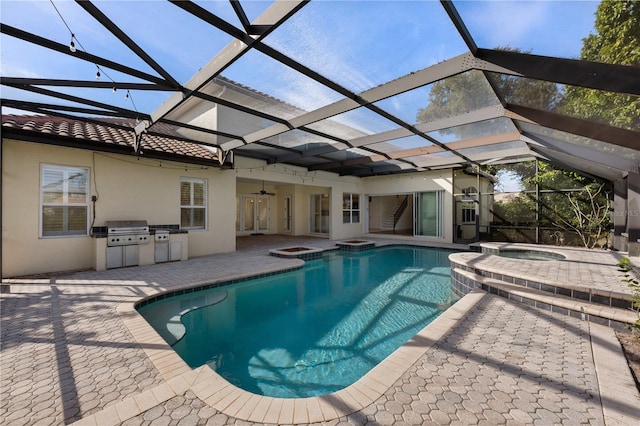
(418, 182)
(301, 184)
(462, 181)
(283, 192)
(127, 188)
(131, 188)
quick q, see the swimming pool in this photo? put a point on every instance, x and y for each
(311, 331)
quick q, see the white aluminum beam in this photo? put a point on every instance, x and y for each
(451, 67)
(275, 13)
(463, 144)
(478, 115)
(445, 161)
(427, 150)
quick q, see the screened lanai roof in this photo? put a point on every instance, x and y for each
(353, 87)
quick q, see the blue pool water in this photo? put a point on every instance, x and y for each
(311, 331)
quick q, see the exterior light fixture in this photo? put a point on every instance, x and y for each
(98, 75)
(72, 45)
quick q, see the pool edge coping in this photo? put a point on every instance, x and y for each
(230, 400)
(459, 258)
(354, 397)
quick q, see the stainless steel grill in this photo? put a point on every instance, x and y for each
(127, 232)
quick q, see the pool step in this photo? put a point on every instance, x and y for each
(588, 294)
(619, 318)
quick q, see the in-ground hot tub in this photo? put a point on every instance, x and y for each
(356, 245)
(304, 253)
(529, 254)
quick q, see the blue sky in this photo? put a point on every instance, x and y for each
(359, 44)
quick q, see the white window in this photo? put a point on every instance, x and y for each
(350, 208)
(64, 201)
(193, 203)
(469, 213)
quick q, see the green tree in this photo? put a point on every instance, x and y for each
(470, 91)
(457, 94)
(575, 205)
(588, 214)
(616, 40)
(538, 94)
(552, 178)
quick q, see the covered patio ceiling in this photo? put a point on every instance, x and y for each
(307, 95)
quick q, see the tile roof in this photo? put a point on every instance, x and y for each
(115, 132)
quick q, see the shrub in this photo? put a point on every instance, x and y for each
(632, 281)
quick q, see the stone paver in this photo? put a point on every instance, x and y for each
(582, 267)
(66, 354)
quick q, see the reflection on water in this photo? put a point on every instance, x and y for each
(319, 329)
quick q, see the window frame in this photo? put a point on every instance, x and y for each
(348, 207)
(193, 207)
(66, 170)
(469, 209)
(438, 214)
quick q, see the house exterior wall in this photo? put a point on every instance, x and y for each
(283, 192)
(440, 180)
(485, 197)
(301, 211)
(346, 230)
(131, 188)
(127, 188)
(23, 251)
(236, 122)
(301, 184)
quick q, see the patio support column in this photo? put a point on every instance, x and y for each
(537, 201)
(619, 215)
(633, 213)
(3, 289)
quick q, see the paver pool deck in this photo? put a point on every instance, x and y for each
(73, 350)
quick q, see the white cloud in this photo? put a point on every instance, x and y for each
(14, 70)
(397, 106)
(313, 47)
(304, 94)
(514, 21)
(13, 111)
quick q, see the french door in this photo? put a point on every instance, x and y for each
(252, 214)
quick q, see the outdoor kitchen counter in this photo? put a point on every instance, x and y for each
(146, 251)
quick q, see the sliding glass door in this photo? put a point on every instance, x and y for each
(319, 214)
(428, 213)
(287, 214)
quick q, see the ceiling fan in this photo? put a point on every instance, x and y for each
(263, 192)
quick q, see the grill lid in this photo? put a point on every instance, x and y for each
(127, 226)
